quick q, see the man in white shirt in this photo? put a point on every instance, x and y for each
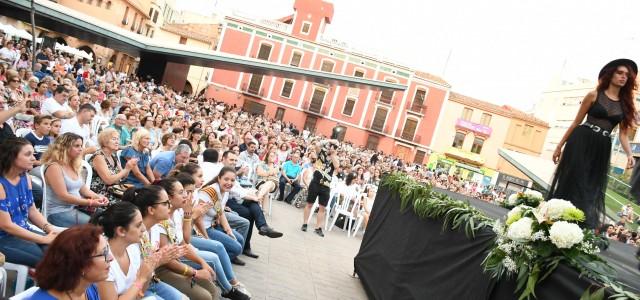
(56, 105)
(250, 159)
(80, 126)
(244, 202)
(210, 165)
(9, 53)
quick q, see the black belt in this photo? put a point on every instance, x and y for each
(597, 129)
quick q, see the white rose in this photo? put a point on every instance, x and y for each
(520, 230)
(533, 194)
(554, 208)
(512, 199)
(565, 235)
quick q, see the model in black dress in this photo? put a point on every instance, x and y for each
(581, 175)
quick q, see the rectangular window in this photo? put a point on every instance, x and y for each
(327, 66)
(279, 113)
(379, 119)
(316, 100)
(419, 158)
(528, 129)
(372, 142)
(386, 95)
(306, 27)
(418, 100)
(150, 12)
(485, 119)
(125, 18)
(467, 113)
(264, 52)
(477, 145)
(296, 58)
(358, 73)
(155, 17)
(458, 140)
(253, 107)
(349, 105)
(340, 131)
(254, 84)
(310, 123)
(287, 88)
(183, 40)
(409, 129)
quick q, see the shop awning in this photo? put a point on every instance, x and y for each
(468, 167)
(56, 17)
(538, 169)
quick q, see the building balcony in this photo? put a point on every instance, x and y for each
(466, 156)
(409, 137)
(252, 91)
(314, 109)
(476, 128)
(416, 108)
(379, 128)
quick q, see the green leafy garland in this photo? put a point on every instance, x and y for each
(457, 214)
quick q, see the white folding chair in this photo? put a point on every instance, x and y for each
(349, 214)
(22, 132)
(3, 282)
(89, 171)
(22, 274)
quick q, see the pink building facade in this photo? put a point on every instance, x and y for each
(398, 122)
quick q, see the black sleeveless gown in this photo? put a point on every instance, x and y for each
(581, 175)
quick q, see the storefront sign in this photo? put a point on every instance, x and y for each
(477, 128)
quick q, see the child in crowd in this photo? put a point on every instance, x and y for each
(39, 137)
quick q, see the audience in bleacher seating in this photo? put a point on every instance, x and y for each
(66, 190)
(77, 259)
(108, 173)
(130, 274)
(141, 174)
(164, 162)
(19, 241)
(155, 206)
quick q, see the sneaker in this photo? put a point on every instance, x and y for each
(235, 294)
(304, 227)
(318, 231)
(240, 287)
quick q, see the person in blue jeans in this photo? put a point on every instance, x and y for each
(222, 263)
(129, 274)
(66, 189)
(214, 222)
(291, 171)
(18, 241)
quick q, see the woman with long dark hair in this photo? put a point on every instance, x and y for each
(581, 175)
(21, 244)
(130, 274)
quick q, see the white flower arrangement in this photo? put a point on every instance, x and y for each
(520, 230)
(554, 208)
(564, 234)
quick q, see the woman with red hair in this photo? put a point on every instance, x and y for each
(77, 259)
(581, 176)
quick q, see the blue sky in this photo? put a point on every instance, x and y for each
(502, 51)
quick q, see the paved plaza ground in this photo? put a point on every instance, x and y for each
(301, 265)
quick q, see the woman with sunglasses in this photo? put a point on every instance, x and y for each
(130, 276)
(76, 260)
(155, 206)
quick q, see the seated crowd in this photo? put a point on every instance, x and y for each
(176, 184)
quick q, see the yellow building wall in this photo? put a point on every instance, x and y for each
(526, 137)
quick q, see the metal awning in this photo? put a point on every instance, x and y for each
(55, 17)
(538, 169)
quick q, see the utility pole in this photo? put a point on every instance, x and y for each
(33, 34)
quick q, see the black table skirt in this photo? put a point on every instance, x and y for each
(404, 257)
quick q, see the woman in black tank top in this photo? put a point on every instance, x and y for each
(583, 164)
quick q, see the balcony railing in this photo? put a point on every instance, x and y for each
(418, 108)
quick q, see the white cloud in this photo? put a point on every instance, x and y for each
(503, 51)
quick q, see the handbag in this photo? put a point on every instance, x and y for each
(117, 190)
